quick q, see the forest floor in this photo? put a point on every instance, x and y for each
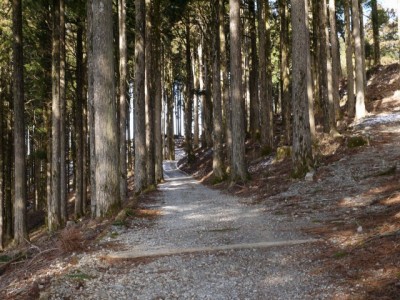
(350, 203)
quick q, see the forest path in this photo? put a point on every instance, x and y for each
(203, 244)
(203, 220)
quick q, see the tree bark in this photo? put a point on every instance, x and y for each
(139, 119)
(53, 213)
(284, 71)
(375, 31)
(20, 229)
(170, 110)
(150, 94)
(189, 97)
(226, 100)
(105, 111)
(323, 67)
(349, 61)
(216, 92)
(302, 152)
(63, 144)
(79, 205)
(2, 152)
(196, 84)
(266, 106)
(238, 168)
(360, 98)
(335, 58)
(253, 76)
(92, 152)
(158, 94)
(123, 62)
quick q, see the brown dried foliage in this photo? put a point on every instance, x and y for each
(71, 239)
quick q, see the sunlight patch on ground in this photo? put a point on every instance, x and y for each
(380, 119)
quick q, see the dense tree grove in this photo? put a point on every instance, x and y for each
(94, 92)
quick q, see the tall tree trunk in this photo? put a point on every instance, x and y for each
(329, 74)
(8, 162)
(63, 144)
(123, 62)
(53, 218)
(360, 98)
(189, 98)
(375, 31)
(139, 118)
(349, 61)
(335, 58)
(105, 111)
(302, 152)
(216, 92)
(20, 229)
(196, 84)
(265, 76)
(207, 104)
(170, 109)
(150, 94)
(79, 136)
(92, 145)
(158, 144)
(323, 66)
(284, 71)
(2, 152)
(316, 60)
(253, 78)
(239, 170)
(362, 36)
(226, 100)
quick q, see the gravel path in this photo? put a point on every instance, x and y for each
(193, 215)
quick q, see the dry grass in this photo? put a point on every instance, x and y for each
(71, 240)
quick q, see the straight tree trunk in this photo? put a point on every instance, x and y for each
(8, 162)
(79, 136)
(2, 185)
(158, 94)
(139, 118)
(302, 152)
(267, 131)
(329, 74)
(196, 84)
(20, 229)
(349, 61)
(362, 36)
(207, 104)
(63, 144)
(105, 111)
(189, 97)
(375, 31)
(53, 213)
(226, 100)
(253, 75)
(123, 62)
(323, 67)
(335, 57)
(238, 168)
(216, 91)
(310, 91)
(284, 71)
(150, 94)
(91, 122)
(360, 93)
(170, 110)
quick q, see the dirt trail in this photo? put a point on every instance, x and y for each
(223, 249)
